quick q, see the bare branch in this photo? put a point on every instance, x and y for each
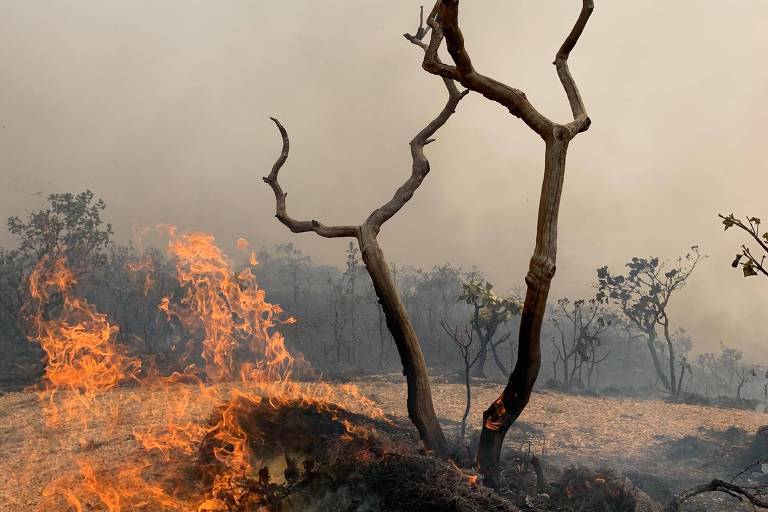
(444, 23)
(420, 167)
(754, 495)
(580, 117)
(298, 226)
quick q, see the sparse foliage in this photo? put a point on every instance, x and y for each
(489, 313)
(643, 295)
(750, 263)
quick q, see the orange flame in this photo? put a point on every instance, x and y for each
(227, 319)
(81, 356)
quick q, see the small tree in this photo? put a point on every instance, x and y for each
(70, 227)
(580, 325)
(744, 374)
(464, 341)
(643, 296)
(439, 288)
(489, 313)
(749, 263)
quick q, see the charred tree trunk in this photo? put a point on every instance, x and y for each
(498, 418)
(420, 407)
(445, 26)
(419, 402)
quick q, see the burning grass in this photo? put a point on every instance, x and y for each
(34, 455)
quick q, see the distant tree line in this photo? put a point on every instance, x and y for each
(621, 339)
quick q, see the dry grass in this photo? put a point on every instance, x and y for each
(623, 433)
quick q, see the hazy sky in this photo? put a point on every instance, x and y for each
(160, 107)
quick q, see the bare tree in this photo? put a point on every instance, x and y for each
(444, 23)
(750, 267)
(580, 324)
(420, 406)
(464, 341)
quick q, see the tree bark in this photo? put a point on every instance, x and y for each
(445, 26)
(419, 402)
(671, 348)
(482, 354)
(498, 418)
(651, 341)
(497, 359)
(421, 409)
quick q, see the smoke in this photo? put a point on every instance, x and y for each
(161, 109)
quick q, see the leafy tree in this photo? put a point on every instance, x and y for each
(749, 263)
(438, 290)
(725, 373)
(489, 313)
(643, 295)
(70, 227)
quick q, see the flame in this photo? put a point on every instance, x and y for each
(81, 356)
(229, 308)
(147, 265)
(234, 355)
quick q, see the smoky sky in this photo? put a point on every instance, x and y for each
(161, 108)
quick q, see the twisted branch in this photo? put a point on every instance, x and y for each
(298, 226)
(444, 24)
(420, 167)
(754, 495)
(403, 194)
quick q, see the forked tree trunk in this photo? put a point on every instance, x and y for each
(421, 409)
(498, 418)
(443, 21)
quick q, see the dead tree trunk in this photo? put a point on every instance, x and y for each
(444, 23)
(420, 407)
